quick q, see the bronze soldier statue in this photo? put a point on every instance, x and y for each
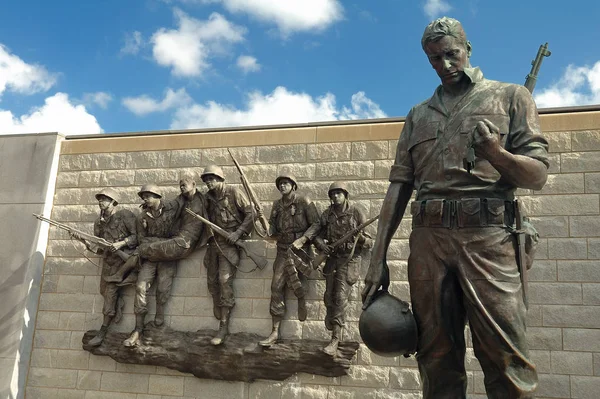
(156, 222)
(118, 227)
(342, 267)
(462, 264)
(294, 222)
(228, 208)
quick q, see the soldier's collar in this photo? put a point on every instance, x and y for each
(290, 199)
(474, 74)
(345, 208)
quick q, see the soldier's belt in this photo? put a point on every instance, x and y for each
(288, 238)
(465, 212)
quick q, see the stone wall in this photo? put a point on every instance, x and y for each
(564, 316)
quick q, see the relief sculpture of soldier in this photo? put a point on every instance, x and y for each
(119, 228)
(342, 267)
(294, 222)
(464, 259)
(228, 208)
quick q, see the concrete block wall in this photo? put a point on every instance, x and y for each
(564, 315)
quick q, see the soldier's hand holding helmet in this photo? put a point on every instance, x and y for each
(377, 276)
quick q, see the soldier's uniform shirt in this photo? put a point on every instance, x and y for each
(289, 221)
(229, 209)
(342, 267)
(120, 226)
(153, 228)
(459, 274)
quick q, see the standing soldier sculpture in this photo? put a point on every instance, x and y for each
(154, 224)
(294, 222)
(229, 209)
(119, 228)
(342, 268)
(464, 263)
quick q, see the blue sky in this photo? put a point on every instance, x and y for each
(108, 66)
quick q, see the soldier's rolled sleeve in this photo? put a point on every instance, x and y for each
(312, 216)
(525, 137)
(403, 169)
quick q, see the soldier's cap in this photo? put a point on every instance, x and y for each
(150, 188)
(110, 193)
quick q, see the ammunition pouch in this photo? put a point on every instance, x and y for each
(463, 213)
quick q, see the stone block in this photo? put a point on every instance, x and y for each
(585, 387)
(541, 359)
(570, 183)
(110, 395)
(404, 378)
(367, 358)
(555, 293)
(135, 368)
(66, 302)
(53, 378)
(558, 141)
(584, 340)
(345, 170)
(166, 385)
(281, 153)
(90, 178)
(575, 363)
(553, 386)
(544, 338)
(47, 320)
(301, 171)
(580, 162)
(70, 359)
(129, 383)
(254, 173)
(89, 380)
(71, 321)
(382, 168)
(112, 178)
(157, 176)
(582, 204)
(363, 150)
(398, 270)
(50, 283)
(109, 160)
(592, 182)
(315, 330)
(102, 363)
(75, 266)
(189, 157)
(70, 284)
(367, 376)
(368, 188)
(571, 316)
(398, 250)
(591, 294)
(584, 226)
(567, 248)
(579, 271)
(551, 226)
(586, 140)
(543, 270)
(212, 389)
(67, 179)
(329, 151)
(554, 160)
(306, 378)
(220, 156)
(51, 339)
(597, 364)
(75, 162)
(147, 159)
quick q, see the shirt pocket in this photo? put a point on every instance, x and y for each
(499, 120)
(423, 136)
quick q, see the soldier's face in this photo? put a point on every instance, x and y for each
(448, 56)
(151, 200)
(104, 202)
(212, 181)
(285, 186)
(187, 186)
(337, 197)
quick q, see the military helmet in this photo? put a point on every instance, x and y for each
(110, 193)
(288, 176)
(212, 170)
(338, 185)
(388, 327)
(150, 188)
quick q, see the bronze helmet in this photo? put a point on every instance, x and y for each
(288, 176)
(212, 170)
(388, 327)
(110, 193)
(338, 185)
(150, 188)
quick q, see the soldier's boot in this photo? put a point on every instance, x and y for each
(331, 348)
(159, 317)
(99, 337)
(273, 338)
(302, 308)
(136, 334)
(128, 266)
(223, 327)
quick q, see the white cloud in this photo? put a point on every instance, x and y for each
(98, 98)
(187, 49)
(18, 76)
(57, 114)
(289, 15)
(133, 43)
(247, 63)
(279, 107)
(144, 104)
(436, 8)
(577, 86)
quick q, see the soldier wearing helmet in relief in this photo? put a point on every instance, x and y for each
(294, 222)
(228, 208)
(342, 268)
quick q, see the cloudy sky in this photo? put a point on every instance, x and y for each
(83, 67)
